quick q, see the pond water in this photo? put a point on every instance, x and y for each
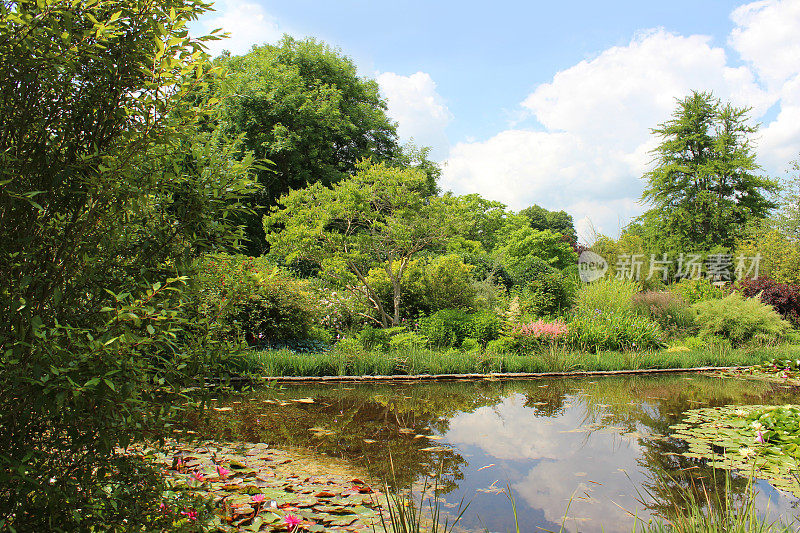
(598, 447)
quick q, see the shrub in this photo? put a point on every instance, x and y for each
(408, 339)
(374, 338)
(783, 297)
(697, 290)
(448, 327)
(546, 291)
(250, 299)
(501, 345)
(428, 285)
(335, 309)
(608, 295)
(739, 319)
(484, 326)
(666, 308)
(602, 330)
(536, 334)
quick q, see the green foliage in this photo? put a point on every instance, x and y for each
(428, 285)
(779, 254)
(696, 290)
(612, 330)
(380, 217)
(336, 310)
(704, 188)
(609, 295)
(301, 105)
(544, 290)
(109, 189)
(408, 339)
(374, 338)
(740, 319)
(252, 300)
(449, 327)
(445, 328)
(556, 221)
(670, 311)
(519, 245)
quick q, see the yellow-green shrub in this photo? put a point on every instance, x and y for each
(740, 319)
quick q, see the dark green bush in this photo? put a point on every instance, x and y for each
(445, 328)
(372, 338)
(484, 326)
(250, 299)
(544, 290)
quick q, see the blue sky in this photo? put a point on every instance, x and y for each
(551, 102)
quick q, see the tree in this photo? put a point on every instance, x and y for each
(108, 191)
(380, 217)
(521, 245)
(704, 185)
(301, 106)
(556, 221)
(788, 218)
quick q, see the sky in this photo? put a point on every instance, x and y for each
(551, 103)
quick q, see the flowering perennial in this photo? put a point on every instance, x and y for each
(542, 330)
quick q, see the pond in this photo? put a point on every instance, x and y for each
(599, 447)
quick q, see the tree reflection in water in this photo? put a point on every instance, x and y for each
(619, 420)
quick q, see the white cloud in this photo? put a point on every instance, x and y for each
(418, 108)
(766, 35)
(246, 22)
(596, 117)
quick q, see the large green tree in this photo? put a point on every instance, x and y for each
(108, 191)
(381, 217)
(705, 185)
(301, 105)
(556, 221)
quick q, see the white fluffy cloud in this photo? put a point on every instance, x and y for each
(766, 35)
(595, 117)
(419, 110)
(246, 22)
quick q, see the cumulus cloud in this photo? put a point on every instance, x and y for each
(766, 36)
(418, 109)
(593, 141)
(246, 22)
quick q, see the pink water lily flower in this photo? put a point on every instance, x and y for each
(257, 498)
(759, 437)
(223, 472)
(291, 521)
(199, 476)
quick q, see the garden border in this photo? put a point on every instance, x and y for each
(492, 376)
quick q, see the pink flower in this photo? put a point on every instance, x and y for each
(759, 437)
(199, 476)
(223, 472)
(191, 514)
(258, 498)
(291, 521)
(542, 329)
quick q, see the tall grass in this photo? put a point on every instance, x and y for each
(608, 295)
(717, 513)
(413, 361)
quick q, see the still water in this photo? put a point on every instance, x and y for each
(598, 449)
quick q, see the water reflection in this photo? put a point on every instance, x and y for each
(600, 446)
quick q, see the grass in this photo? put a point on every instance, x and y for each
(411, 361)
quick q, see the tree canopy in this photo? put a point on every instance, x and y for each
(704, 186)
(382, 216)
(556, 221)
(302, 106)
